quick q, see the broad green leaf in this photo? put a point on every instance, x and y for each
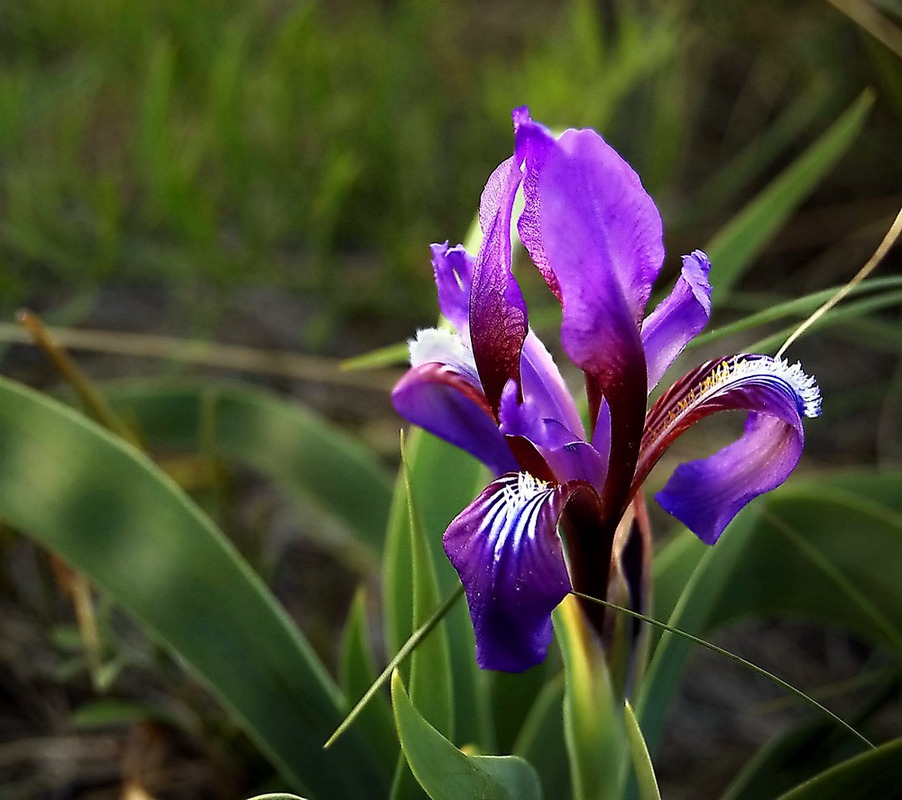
(541, 739)
(827, 572)
(822, 549)
(110, 513)
(396, 662)
(739, 242)
(508, 691)
(444, 480)
(593, 715)
(448, 774)
(397, 567)
(876, 775)
(357, 674)
(316, 463)
(642, 766)
(671, 570)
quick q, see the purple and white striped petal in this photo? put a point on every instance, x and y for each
(505, 548)
(678, 318)
(707, 494)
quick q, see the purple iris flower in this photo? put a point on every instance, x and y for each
(490, 387)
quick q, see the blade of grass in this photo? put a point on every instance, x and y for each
(851, 313)
(739, 242)
(807, 699)
(788, 308)
(882, 249)
(407, 648)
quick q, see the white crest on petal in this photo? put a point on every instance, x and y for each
(802, 385)
(513, 512)
(443, 346)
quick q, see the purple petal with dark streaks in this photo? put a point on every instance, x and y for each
(705, 495)
(498, 322)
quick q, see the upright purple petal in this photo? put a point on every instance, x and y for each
(533, 143)
(498, 322)
(706, 494)
(444, 402)
(678, 318)
(505, 547)
(579, 184)
(453, 268)
(602, 235)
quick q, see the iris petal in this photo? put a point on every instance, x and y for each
(505, 547)
(498, 323)
(533, 143)
(566, 455)
(444, 402)
(678, 318)
(707, 494)
(542, 381)
(603, 236)
(453, 267)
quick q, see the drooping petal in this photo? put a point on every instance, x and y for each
(497, 312)
(505, 548)
(453, 268)
(444, 402)
(602, 235)
(678, 318)
(706, 494)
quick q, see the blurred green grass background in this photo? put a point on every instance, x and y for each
(320, 147)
